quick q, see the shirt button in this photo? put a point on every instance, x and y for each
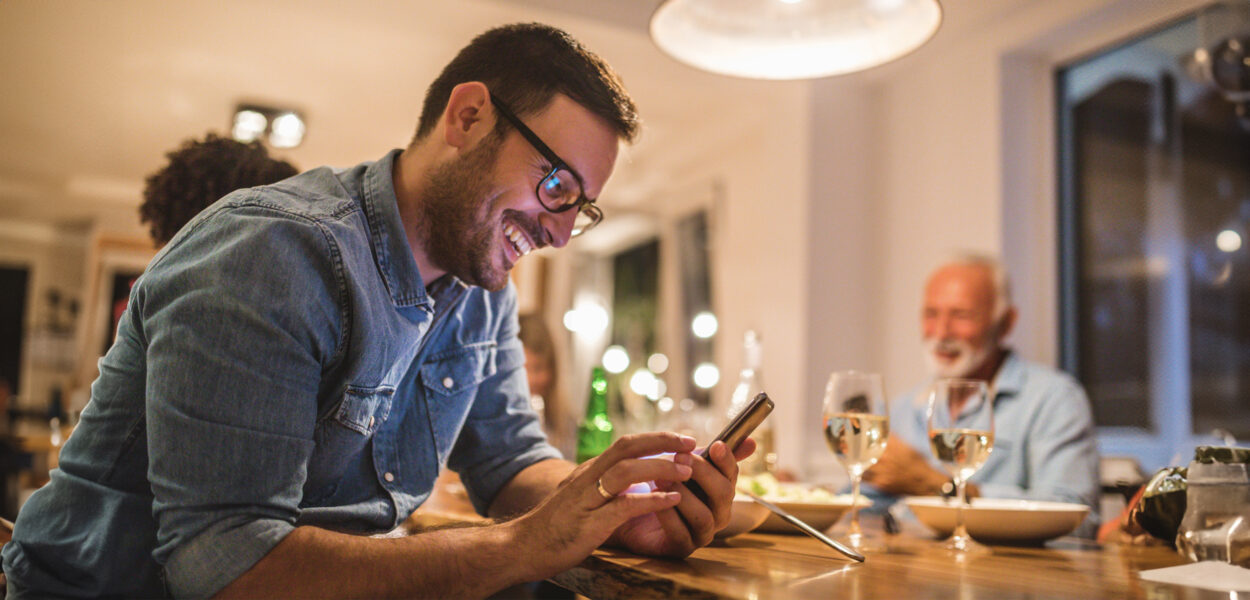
(371, 421)
(389, 477)
(448, 382)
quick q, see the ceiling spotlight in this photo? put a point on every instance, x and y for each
(285, 127)
(249, 125)
(288, 131)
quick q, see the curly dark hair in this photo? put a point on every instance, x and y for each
(199, 173)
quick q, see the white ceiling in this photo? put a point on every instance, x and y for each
(96, 92)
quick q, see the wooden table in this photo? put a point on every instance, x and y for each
(757, 566)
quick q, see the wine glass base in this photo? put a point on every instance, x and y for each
(965, 546)
(864, 543)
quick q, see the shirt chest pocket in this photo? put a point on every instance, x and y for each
(342, 436)
(451, 382)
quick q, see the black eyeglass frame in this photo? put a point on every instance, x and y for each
(584, 204)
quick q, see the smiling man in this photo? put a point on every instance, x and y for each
(1044, 447)
(299, 362)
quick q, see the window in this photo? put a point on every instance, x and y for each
(1155, 260)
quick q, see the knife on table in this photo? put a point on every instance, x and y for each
(808, 529)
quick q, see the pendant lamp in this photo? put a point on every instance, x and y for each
(792, 39)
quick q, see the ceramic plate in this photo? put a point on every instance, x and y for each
(745, 515)
(820, 515)
(996, 520)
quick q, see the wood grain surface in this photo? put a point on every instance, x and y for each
(758, 566)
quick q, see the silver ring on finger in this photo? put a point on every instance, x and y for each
(608, 496)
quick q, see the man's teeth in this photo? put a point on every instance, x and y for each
(519, 242)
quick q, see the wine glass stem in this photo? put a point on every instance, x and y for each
(854, 528)
(961, 498)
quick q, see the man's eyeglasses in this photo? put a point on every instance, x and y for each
(561, 188)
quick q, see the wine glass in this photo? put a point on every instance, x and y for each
(856, 428)
(961, 433)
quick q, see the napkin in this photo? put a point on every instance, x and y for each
(1208, 575)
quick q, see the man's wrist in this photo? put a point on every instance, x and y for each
(513, 538)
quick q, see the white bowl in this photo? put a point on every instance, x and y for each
(745, 515)
(820, 515)
(998, 520)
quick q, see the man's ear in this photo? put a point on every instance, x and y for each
(466, 118)
(1007, 323)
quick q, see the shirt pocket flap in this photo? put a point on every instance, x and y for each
(464, 368)
(364, 409)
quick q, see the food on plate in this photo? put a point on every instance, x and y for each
(766, 485)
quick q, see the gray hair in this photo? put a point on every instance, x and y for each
(998, 276)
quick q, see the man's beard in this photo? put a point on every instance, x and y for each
(968, 359)
(451, 217)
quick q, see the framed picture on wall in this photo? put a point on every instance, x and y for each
(119, 295)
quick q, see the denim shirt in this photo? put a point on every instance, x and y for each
(280, 363)
(1044, 442)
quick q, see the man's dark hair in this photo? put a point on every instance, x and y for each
(200, 172)
(525, 65)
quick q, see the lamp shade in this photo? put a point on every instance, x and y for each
(792, 39)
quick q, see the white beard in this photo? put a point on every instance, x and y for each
(966, 361)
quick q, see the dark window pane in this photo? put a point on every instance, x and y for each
(1155, 169)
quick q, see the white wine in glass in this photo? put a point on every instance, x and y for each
(856, 428)
(961, 433)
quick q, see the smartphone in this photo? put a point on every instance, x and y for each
(743, 423)
(735, 432)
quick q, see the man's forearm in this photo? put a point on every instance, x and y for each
(529, 487)
(560, 518)
(312, 562)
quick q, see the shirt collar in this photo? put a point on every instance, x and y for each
(1010, 377)
(390, 243)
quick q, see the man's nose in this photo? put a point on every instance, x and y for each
(558, 226)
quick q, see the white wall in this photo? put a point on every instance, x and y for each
(842, 255)
(759, 278)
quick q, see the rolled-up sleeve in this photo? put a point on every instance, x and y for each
(502, 434)
(237, 340)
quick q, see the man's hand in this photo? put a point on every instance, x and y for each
(1125, 529)
(902, 470)
(577, 518)
(678, 531)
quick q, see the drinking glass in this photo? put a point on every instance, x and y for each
(961, 433)
(856, 428)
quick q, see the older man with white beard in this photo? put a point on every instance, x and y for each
(1044, 445)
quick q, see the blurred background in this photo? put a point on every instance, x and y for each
(1083, 140)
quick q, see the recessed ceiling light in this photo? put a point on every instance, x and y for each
(248, 125)
(285, 127)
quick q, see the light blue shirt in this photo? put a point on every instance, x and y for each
(280, 363)
(1044, 443)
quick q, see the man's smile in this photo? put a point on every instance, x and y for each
(520, 243)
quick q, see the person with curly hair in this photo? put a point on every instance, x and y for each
(198, 174)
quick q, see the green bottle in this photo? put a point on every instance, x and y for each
(594, 435)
